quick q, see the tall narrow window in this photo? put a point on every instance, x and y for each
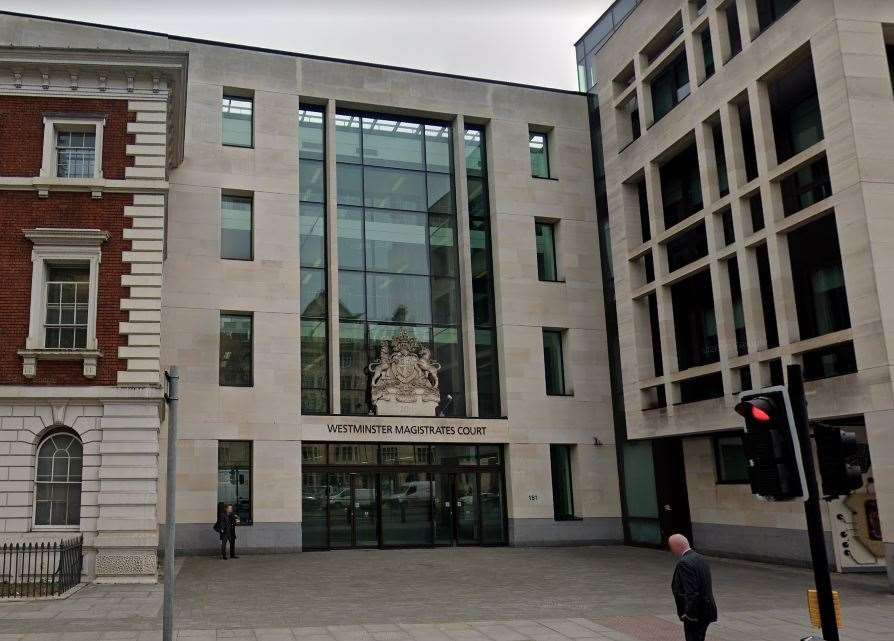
(694, 321)
(681, 190)
(643, 202)
(58, 480)
(794, 106)
(236, 121)
(236, 350)
(484, 312)
(767, 302)
(554, 362)
(732, 29)
(749, 153)
(563, 491)
(312, 255)
(670, 87)
(720, 156)
(707, 52)
(398, 259)
(68, 293)
(546, 251)
(539, 149)
(234, 477)
(236, 237)
(75, 154)
(735, 288)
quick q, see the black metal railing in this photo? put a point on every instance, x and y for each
(40, 569)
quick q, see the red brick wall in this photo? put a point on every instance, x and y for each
(21, 122)
(20, 210)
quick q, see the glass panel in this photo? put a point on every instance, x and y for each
(392, 143)
(313, 453)
(639, 480)
(311, 181)
(310, 134)
(349, 179)
(442, 508)
(234, 477)
(236, 121)
(366, 515)
(440, 194)
(553, 362)
(546, 251)
(313, 293)
(353, 454)
(235, 228)
(442, 240)
(489, 454)
(354, 375)
(312, 245)
(398, 298)
(467, 527)
(347, 138)
(478, 205)
(351, 297)
(539, 155)
(486, 362)
(313, 510)
(350, 238)
(492, 508)
(445, 301)
(437, 148)
(474, 146)
(340, 510)
(406, 508)
(405, 455)
(454, 455)
(732, 466)
(394, 189)
(75, 154)
(235, 349)
(314, 367)
(379, 333)
(395, 242)
(448, 352)
(563, 501)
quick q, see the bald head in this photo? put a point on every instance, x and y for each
(678, 544)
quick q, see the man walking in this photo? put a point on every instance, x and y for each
(692, 589)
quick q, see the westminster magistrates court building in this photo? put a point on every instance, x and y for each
(391, 295)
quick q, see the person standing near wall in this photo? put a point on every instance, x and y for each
(692, 590)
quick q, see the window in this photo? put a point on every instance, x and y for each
(732, 29)
(58, 481)
(729, 459)
(826, 362)
(75, 154)
(655, 335)
(707, 52)
(234, 477)
(563, 492)
(72, 147)
(729, 230)
(236, 228)
(64, 289)
(805, 187)
(236, 350)
(795, 111)
(236, 121)
(68, 295)
(397, 248)
(681, 189)
(538, 145)
(643, 203)
(694, 321)
(768, 305)
(756, 209)
(720, 158)
(769, 11)
(818, 279)
(554, 362)
(687, 247)
(546, 251)
(701, 388)
(749, 153)
(735, 290)
(670, 87)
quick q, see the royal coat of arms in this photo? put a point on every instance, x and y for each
(405, 378)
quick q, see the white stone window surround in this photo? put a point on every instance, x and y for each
(70, 122)
(61, 247)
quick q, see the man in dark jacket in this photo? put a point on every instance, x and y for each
(226, 528)
(692, 589)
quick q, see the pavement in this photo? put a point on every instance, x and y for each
(611, 593)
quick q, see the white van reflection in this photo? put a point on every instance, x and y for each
(361, 495)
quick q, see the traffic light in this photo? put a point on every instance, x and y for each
(771, 445)
(834, 448)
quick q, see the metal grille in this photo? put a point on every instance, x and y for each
(40, 569)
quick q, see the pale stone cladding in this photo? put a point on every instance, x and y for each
(846, 42)
(198, 285)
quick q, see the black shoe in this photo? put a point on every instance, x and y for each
(234, 557)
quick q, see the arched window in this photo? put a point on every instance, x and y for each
(59, 462)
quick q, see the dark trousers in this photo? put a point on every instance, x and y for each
(695, 631)
(223, 547)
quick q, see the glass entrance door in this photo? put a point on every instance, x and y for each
(353, 510)
(455, 509)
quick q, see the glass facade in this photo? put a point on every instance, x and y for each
(487, 367)
(397, 495)
(397, 248)
(312, 254)
(596, 37)
(234, 477)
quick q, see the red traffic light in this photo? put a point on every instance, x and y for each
(759, 408)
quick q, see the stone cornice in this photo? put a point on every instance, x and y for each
(66, 237)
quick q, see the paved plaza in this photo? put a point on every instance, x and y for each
(454, 594)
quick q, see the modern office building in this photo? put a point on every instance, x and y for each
(380, 286)
(744, 192)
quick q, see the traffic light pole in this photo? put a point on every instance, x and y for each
(812, 508)
(173, 400)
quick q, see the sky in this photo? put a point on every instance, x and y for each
(525, 41)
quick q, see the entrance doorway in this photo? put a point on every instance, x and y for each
(402, 496)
